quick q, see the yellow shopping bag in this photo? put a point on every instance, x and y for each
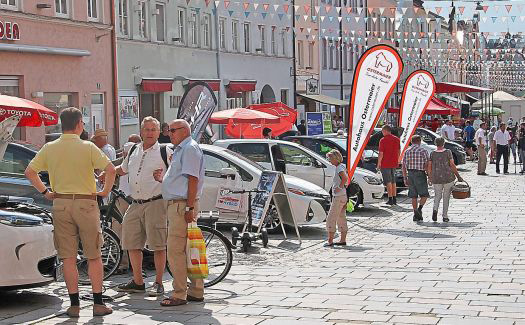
(196, 253)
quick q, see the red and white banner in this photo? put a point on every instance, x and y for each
(417, 94)
(375, 78)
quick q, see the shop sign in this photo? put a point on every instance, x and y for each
(9, 31)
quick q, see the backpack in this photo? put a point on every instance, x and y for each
(163, 152)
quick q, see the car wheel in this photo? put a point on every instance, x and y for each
(272, 223)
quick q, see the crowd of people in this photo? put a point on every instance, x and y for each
(163, 184)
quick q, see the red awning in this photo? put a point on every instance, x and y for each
(436, 107)
(452, 87)
(215, 84)
(156, 85)
(235, 87)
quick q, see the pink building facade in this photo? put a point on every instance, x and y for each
(60, 54)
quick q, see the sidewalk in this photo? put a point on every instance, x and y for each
(469, 271)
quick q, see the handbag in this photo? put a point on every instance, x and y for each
(196, 260)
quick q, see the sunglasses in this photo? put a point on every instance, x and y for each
(175, 129)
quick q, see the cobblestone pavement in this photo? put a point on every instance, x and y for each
(469, 271)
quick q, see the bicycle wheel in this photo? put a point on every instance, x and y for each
(111, 256)
(219, 255)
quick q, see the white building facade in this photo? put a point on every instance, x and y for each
(241, 49)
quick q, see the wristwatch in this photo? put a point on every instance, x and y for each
(45, 191)
(188, 209)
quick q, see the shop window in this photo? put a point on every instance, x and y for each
(160, 22)
(123, 17)
(9, 4)
(61, 8)
(92, 7)
(57, 102)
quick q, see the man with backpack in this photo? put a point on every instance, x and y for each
(145, 221)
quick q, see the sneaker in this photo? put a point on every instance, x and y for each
(131, 287)
(434, 216)
(156, 289)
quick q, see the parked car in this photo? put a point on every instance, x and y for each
(458, 152)
(296, 160)
(310, 203)
(28, 254)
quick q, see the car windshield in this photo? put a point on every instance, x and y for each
(244, 159)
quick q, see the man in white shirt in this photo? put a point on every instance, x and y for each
(145, 221)
(477, 123)
(100, 139)
(481, 140)
(448, 131)
(502, 138)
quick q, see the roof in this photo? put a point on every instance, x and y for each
(326, 100)
(453, 87)
(455, 99)
(497, 98)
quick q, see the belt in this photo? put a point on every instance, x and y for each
(76, 196)
(158, 197)
(176, 201)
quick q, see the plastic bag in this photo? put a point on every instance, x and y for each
(196, 260)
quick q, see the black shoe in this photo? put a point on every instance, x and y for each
(390, 201)
(434, 216)
(131, 286)
(445, 219)
(417, 215)
(420, 210)
(394, 201)
(497, 171)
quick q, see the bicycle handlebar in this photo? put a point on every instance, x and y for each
(120, 194)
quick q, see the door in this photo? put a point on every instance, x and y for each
(149, 105)
(302, 165)
(97, 112)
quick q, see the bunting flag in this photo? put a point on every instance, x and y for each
(417, 93)
(375, 78)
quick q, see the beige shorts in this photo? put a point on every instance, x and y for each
(145, 224)
(76, 220)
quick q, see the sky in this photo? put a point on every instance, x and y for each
(513, 20)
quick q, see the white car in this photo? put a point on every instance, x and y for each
(296, 160)
(309, 202)
(28, 255)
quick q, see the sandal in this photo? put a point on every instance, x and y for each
(170, 302)
(340, 243)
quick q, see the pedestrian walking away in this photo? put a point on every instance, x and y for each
(502, 140)
(70, 163)
(181, 188)
(443, 173)
(416, 168)
(521, 146)
(337, 213)
(481, 141)
(145, 221)
(388, 161)
(469, 134)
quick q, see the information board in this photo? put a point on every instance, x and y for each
(314, 123)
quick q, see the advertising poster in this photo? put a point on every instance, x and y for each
(261, 201)
(417, 93)
(196, 107)
(375, 78)
(314, 123)
(229, 201)
(129, 110)
(327, 123)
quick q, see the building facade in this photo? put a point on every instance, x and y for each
(242, 50)
(59, 54)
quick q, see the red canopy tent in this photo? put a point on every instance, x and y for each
(436, 106)
(287, 116)
(453, 87)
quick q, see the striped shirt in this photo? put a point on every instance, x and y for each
(416, 157)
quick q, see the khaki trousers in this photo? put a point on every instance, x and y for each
(337, 214)
(116, 226)
(482, 159)
(177, 239)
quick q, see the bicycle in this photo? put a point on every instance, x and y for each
(218, 247)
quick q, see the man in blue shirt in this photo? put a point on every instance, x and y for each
(469, 133)
(181, 188)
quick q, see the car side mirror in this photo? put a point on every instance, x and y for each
(228, 173)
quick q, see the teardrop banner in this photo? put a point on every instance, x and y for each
(375, 78)
(196, 107)
(419, 88)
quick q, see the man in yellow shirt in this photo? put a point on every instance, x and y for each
(70, 163)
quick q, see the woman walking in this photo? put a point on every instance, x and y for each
(443, 174)
(337, 213)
